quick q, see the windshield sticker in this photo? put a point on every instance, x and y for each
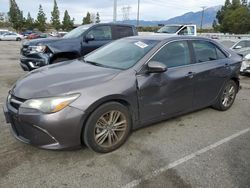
(141, 44)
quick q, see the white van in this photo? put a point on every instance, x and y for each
(177, 30)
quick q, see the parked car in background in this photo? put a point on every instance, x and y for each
(242, 47)
(3, 31)
(241, 44)
(130, 83)
(27, 33)
(11, 36)
(76, 43)
(58, 34)
(177, 30)
(245, 67)
(37, 36)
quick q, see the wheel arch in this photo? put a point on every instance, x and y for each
(68, 55)
(237, 81)
(112, 98)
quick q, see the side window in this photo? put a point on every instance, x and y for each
(220, 54)
(101, 33)
(188, 30)
(206, 51)
(173, 54)
(122, 31)
(242, 44)
(184, 31)
(248, 43)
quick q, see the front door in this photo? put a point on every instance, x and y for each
(102, 35)
(166, 94)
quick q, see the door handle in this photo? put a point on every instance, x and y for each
(190, 74)
(226, 65)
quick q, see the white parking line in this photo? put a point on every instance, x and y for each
(184, 159)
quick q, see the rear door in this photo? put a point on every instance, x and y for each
(102, 35)
(212, 69)
(171, 92)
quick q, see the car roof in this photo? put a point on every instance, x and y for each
(119, 24)
(167, 38)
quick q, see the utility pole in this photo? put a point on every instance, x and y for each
(115, 11)
(138, 14)
(202, 16)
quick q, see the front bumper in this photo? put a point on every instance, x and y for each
(245, 67)
(34, 61)
(57, 131)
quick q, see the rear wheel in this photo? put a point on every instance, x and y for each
(227, 96)
(18, 39)
(107, 128)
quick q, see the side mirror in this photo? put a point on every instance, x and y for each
(156, 67)
(237, 47)
(89, 38)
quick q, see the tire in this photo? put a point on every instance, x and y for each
(58, 60)
(18, 39)
(227, 96)
(98, 134)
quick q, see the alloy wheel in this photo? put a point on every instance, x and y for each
(110, 129)
(228, 95)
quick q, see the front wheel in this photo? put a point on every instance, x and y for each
(18, 39)
(107, 128)
(227, 96)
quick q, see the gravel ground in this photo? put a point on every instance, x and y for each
(161, 155)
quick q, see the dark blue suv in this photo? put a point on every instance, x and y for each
(77, 43)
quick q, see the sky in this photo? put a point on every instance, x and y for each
(149, 9)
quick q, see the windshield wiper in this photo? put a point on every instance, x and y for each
(96, 64)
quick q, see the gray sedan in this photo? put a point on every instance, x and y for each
(130, 83)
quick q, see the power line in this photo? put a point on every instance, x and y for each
(126, 12)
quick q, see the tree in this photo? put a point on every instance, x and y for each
(67, 23)
(2, 17)
(97, 19)
(55, 17)
(15, 16)
(236, 4)
(244, 2)
(87, 19)
(41, 19)
(233, 17)
(92, 18)
(29, 24)
(215, 25)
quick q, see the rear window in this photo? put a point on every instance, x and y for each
(123, 31)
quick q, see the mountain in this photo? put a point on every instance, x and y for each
(187, 18)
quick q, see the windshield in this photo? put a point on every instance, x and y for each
(77, 32)
(121, 54)
(169, 29)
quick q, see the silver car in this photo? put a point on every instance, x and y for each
(11, 36)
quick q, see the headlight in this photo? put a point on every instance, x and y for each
(37, 49)
(50, 105)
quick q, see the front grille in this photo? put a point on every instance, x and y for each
(16, 102)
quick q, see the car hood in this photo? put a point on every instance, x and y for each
(61, 78)
(56, 45)
(42, 41)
